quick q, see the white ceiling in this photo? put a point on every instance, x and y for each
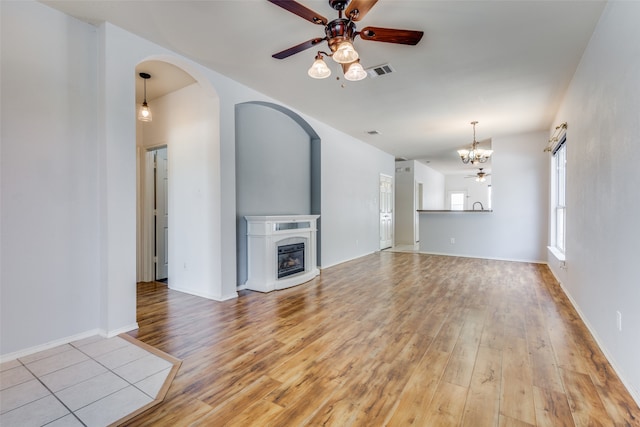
(505, 64)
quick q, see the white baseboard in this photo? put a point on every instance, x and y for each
(116, 332)
(66, 340)
(530, 261)
(50, 344)
(633, 392)
(218, 298)
(322, 267)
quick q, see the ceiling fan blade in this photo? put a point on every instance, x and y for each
(301, 11)
(359, 8)
(297, 48)
(389, 35)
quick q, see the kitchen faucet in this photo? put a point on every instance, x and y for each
(474, 206)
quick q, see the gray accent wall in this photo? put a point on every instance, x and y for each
(274, 168)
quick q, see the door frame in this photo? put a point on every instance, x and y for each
(392, 211)
(148, 270)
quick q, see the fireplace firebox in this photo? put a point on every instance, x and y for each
(290, 259)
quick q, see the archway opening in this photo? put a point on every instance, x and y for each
(185, 110)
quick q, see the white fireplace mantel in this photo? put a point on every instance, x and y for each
(264, 235)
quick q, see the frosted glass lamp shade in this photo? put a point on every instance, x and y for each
(355, 72)
(345, 53)
(319, 69)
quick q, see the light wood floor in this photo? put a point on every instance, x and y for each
(387, 339)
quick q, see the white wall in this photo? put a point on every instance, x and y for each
(517, 228)
(50, 267)
(78, 165)
(182, 121)
(404, 202)
(408, 174)
(433, 189)
(350, 195)
(601, 109)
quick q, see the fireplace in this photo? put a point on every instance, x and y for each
(281, 251)
(290, 259)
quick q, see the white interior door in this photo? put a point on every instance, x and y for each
(386, 211)
(161, 214)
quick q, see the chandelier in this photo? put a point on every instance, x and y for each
(476, 154)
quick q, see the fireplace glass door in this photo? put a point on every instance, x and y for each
(290, 259)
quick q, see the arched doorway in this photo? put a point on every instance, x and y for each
(185, 109)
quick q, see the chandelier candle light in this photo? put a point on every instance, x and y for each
(476, 154)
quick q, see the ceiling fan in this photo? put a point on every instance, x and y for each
(340, 34)
(481, 176)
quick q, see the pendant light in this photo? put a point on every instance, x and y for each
(144, 113)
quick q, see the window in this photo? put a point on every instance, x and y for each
(457, 199)
(559, 204)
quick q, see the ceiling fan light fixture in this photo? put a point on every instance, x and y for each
(345, 53)
(355, 72)
(319, 68)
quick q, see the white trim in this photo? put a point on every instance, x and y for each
(51, 344)
(635, 394)
(347, 260)
(484, 257)
(218, 298)
(122, 330)
(147, 223)
(556, 253)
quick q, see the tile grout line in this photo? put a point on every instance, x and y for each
(53, 394)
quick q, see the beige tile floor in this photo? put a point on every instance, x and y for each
(91, 382)
(404, 248)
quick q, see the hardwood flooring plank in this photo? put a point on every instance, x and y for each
(545, 369)
(586, 407)
(419, 390)
(228, 409)
(552, 408)
(386, 339)
(447, 405)
(516, 400)
(482, 406)
(506, 421)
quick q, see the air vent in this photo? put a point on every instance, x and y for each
(373, 132)
(380, 70)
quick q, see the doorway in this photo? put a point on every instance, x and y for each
(158, 187)
(386, 211)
